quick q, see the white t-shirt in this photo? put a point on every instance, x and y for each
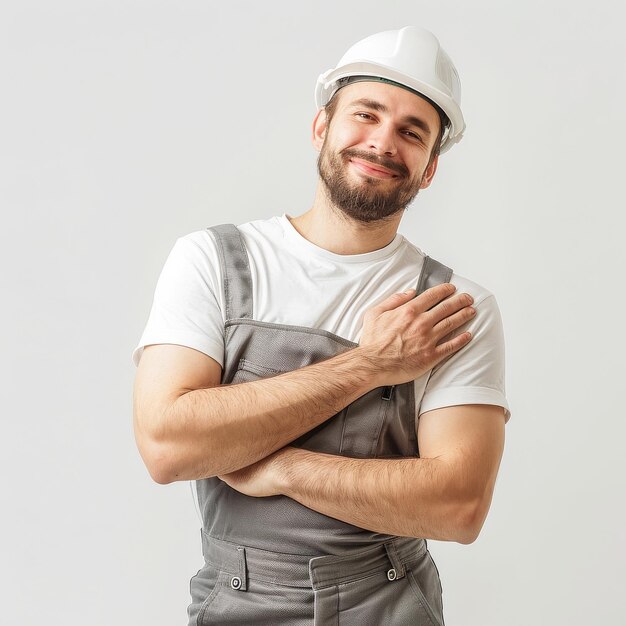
(295, 282)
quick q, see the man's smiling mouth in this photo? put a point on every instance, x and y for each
(370, 169)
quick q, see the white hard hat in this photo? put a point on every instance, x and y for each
(411, 58)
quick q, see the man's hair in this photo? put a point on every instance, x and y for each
(331, 106)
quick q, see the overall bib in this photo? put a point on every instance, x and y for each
(272, 561)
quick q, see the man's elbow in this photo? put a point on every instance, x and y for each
(168, 462)
(156, 446)
(471, 522)
(162, 473)
(159, 461)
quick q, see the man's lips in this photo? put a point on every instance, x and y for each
(370, 169)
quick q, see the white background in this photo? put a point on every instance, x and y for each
(124, 125)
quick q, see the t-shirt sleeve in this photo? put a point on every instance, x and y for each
(187, 306)
(474, 374)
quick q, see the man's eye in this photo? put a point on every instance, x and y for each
(365, 116)
(413, 135)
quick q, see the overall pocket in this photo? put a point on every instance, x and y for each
(373, 600)
(381, 424)
(363, 422)
(203, 615)
(204, 586)
(263, 603)
(424, 578)
(248, 371)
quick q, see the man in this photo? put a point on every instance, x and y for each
(333, 417)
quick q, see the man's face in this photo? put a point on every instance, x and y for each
(374, 154)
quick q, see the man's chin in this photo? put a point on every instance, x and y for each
(369, 217)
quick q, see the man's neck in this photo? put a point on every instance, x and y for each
(327, 227)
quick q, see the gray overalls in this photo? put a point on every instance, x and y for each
(272, 561)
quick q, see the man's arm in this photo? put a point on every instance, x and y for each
(444, 495)
(191, 433)
(188, 427)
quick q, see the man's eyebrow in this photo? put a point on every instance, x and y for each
(379, 106)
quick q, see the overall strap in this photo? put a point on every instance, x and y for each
(236, 275)
(433, 273)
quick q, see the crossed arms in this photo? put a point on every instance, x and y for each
(188, 426)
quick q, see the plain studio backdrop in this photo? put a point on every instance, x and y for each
(125, 125)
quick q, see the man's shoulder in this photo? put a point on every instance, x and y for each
(462, 283)
(476, 290)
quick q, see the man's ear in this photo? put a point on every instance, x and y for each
(319, 129)
(429, 173)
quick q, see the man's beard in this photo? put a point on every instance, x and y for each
(363, 201)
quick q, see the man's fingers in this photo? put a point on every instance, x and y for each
(454, 321)
(424, 302)
(449, 307)
(392, 302)
(431, 297)
(453, 345)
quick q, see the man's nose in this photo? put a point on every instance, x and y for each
(382, 140)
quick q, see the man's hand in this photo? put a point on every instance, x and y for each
(406, 336)
(261, 479)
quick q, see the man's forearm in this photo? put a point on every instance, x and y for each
(213, 431)
(413, 497)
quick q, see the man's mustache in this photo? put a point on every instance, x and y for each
(398, 168)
